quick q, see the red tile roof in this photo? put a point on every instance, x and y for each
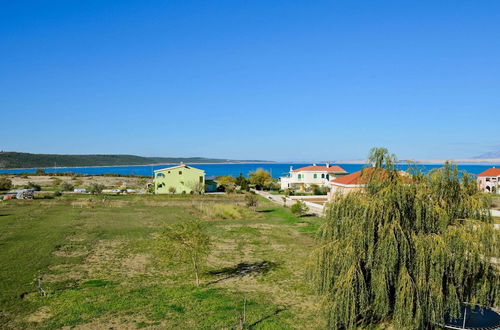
(362, 177)
(353, 178)
(490, 172)
(331, 168)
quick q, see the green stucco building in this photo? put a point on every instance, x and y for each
(179, 179)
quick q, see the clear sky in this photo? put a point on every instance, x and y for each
(276, 80)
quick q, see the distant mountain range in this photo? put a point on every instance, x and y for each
(489, 155)
(28, 160)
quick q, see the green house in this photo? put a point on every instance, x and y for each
(180, 179)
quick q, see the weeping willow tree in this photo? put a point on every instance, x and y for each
(408, 249)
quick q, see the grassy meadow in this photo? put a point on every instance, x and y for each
(100, 265)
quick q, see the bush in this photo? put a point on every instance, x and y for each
(66, 186)
(171, 190)
(300, 208)
(57, 193)
(95, 188)
(32, 185)
(5, 183)
(251, 200)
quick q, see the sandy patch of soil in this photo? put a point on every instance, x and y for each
(39, 316)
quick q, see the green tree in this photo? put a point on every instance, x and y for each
(187, 242)
(242, 182)
(5, 183)
(260, 178)
(299, 208)
(96, 188)
(227, 182)
(406, 249)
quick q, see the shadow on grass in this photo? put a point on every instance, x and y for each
(276, 312)
(265, 211)
(243, 269)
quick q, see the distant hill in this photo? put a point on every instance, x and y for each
(491, 154)
(27, 160)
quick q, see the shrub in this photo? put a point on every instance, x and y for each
(171, 190)
(251, 200)
(57, 193)
(66, 186)
(95, 188)
(5, 183)
(300, 208)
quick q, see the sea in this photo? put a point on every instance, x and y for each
(276, 169)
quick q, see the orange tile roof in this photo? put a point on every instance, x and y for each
(362, 177)
(490, 172)
(331, 168)
(353, 178)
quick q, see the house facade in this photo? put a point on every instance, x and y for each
(304, 177)
(178, 180)
(489, 180)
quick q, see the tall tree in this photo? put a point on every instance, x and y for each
(407, 249)
(260, 178)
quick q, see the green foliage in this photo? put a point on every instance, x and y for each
(406, 249)
(32, 185)
(188, 242)
(299, 208)
(226, 183)
(251, 200)
(260, 178)
(57, 193)
(95, 188)
(5, 183)
(317, 190)
(66, 186)
(78, 182)
(242, 182)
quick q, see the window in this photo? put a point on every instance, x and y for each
(201, 179)
(180, 172)
(299, 176)
(323, 175)
(315, 175)
(160, 175)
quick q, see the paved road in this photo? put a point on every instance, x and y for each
(278, 199)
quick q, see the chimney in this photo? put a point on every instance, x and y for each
(327, 165)
(291, 168)
(314, 164)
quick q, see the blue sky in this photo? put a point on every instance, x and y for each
(277, 80)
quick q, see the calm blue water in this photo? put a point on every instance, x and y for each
(276, 169)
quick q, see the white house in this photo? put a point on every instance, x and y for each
(489, 180)
(304, 177)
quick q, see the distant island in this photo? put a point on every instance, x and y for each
(29, 160)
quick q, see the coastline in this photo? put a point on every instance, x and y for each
(154, 164)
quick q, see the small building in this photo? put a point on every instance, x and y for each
(489, 180)
(304, 177)
(180, 179)
(210, 184)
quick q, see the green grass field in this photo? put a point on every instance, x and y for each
(99, 262)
